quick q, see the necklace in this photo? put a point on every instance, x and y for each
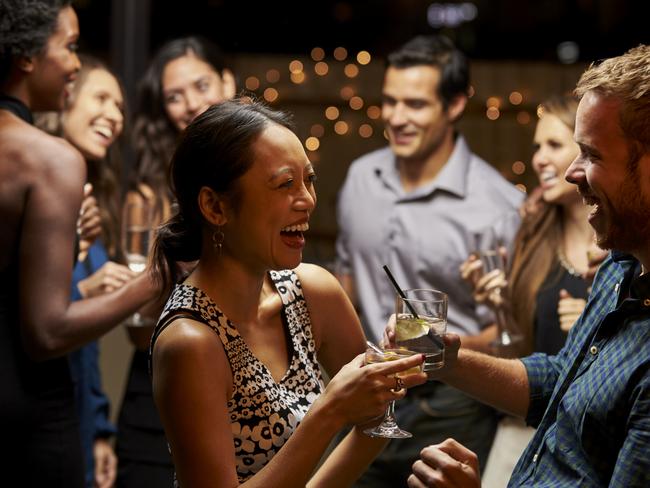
(564, 262)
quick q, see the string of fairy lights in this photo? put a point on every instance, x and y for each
(338, 117)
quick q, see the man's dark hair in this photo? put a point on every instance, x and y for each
(440, 52)
(25, 26)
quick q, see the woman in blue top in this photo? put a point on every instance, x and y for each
(93, 121)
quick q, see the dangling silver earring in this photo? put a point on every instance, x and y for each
(217, 240)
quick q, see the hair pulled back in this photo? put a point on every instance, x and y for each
(214, 151)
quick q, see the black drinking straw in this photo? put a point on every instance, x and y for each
(408, 304)
(401, 293)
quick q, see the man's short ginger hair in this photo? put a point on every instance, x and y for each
(627, 78)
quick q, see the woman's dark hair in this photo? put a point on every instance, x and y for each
(155, 136)
(215, 150)
(25, 27)
(437, 51)
(104, 174)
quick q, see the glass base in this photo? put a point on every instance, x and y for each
(507, 345)
(388, 430)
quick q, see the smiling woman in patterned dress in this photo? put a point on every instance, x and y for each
(236, 353)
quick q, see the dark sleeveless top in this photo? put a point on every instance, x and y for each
(551, 338)
(263, 413)
(40, 437)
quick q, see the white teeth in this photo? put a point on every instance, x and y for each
(296, 228)
(104, 131)
(548, 175)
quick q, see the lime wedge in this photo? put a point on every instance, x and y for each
(407, 329)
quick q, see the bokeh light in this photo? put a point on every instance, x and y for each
(332, 113)
(523, 117)
(298, 77)
(365, 130)
(356, 103)
(317, 54)
(518, 167)
(340, 53)
(252, 83)
(295, 66)
(321, 68)
(351, 70)
(373, 112)
(346, 92)
(312, 143)
(363, 57)
(273, 76)
(317, 130)
(492, 113)
(271, 94)
(516, 98)
(341, 127)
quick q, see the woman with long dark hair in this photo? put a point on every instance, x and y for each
(184, 78)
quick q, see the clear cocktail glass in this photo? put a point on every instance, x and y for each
(388, 427)
(421, 323)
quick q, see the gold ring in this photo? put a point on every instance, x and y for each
(399, 384)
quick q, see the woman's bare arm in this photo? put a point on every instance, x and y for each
(50, 324)
(192, 385)
(339, 338)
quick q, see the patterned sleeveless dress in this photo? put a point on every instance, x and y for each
(263, 413)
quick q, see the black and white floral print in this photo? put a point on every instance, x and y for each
(263, 412)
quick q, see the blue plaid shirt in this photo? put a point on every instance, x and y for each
(591, 402)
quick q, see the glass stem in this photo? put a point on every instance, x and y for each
(389, 418)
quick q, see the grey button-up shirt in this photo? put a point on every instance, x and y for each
(423, 236)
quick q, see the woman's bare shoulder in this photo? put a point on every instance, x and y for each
(317, 279)
(185, 337)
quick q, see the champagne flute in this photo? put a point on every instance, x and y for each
(491, 254)
(388, 427)
(137, 222)
(136, 234)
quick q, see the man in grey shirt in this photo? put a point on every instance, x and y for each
(417, 206)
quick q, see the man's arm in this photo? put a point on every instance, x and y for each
(633, 463)
(481, 341)
(502, 383)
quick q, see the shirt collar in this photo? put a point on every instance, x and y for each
(640, 284)
(452, 177)
(16, 107)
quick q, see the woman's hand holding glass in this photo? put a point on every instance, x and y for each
(487, 288)
(360, 392)
(110, 277)
(388, 427)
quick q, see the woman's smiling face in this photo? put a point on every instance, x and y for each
(276, 198)
(95, 119)
(555, 150)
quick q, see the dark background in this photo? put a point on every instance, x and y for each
(502, 29)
